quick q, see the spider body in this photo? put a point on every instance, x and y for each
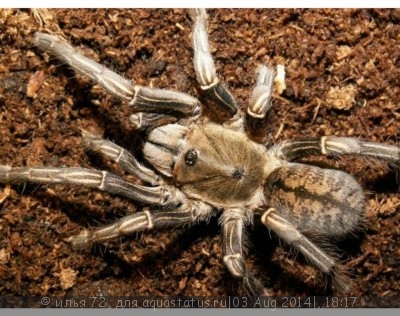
(322, 201)
(199, 168)
(226, 169)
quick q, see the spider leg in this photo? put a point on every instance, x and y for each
(256, 119)
(313, 253)
(121, 156)
(187, 213)
(147, 121)
(162, 195)
(142, 99)
(233, 222)
(260, 99)
(204, 65)
(333, 145)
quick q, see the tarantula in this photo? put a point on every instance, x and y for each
(203, 168)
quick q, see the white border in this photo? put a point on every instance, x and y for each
(202, 3)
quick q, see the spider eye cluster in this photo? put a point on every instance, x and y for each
(191, 157)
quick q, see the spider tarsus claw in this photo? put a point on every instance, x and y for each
(198, 13)
(342, 283)
(88, 135)
(4, 173)
(81, 241)
(43, 40)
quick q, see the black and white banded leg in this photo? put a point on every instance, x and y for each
(142, 99)
(162, 195)
(335, 146)
(121, 156)
(142, 121)
(187, 213)
(260, 104)
(204, 65)
(233, 223)
(324, 262)
(260, 99)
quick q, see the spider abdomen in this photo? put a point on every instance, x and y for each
(319, 201)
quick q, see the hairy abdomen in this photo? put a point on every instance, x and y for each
(319, 201)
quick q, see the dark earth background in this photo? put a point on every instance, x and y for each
(343, 78)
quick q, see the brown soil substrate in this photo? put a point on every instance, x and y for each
(343, 78)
